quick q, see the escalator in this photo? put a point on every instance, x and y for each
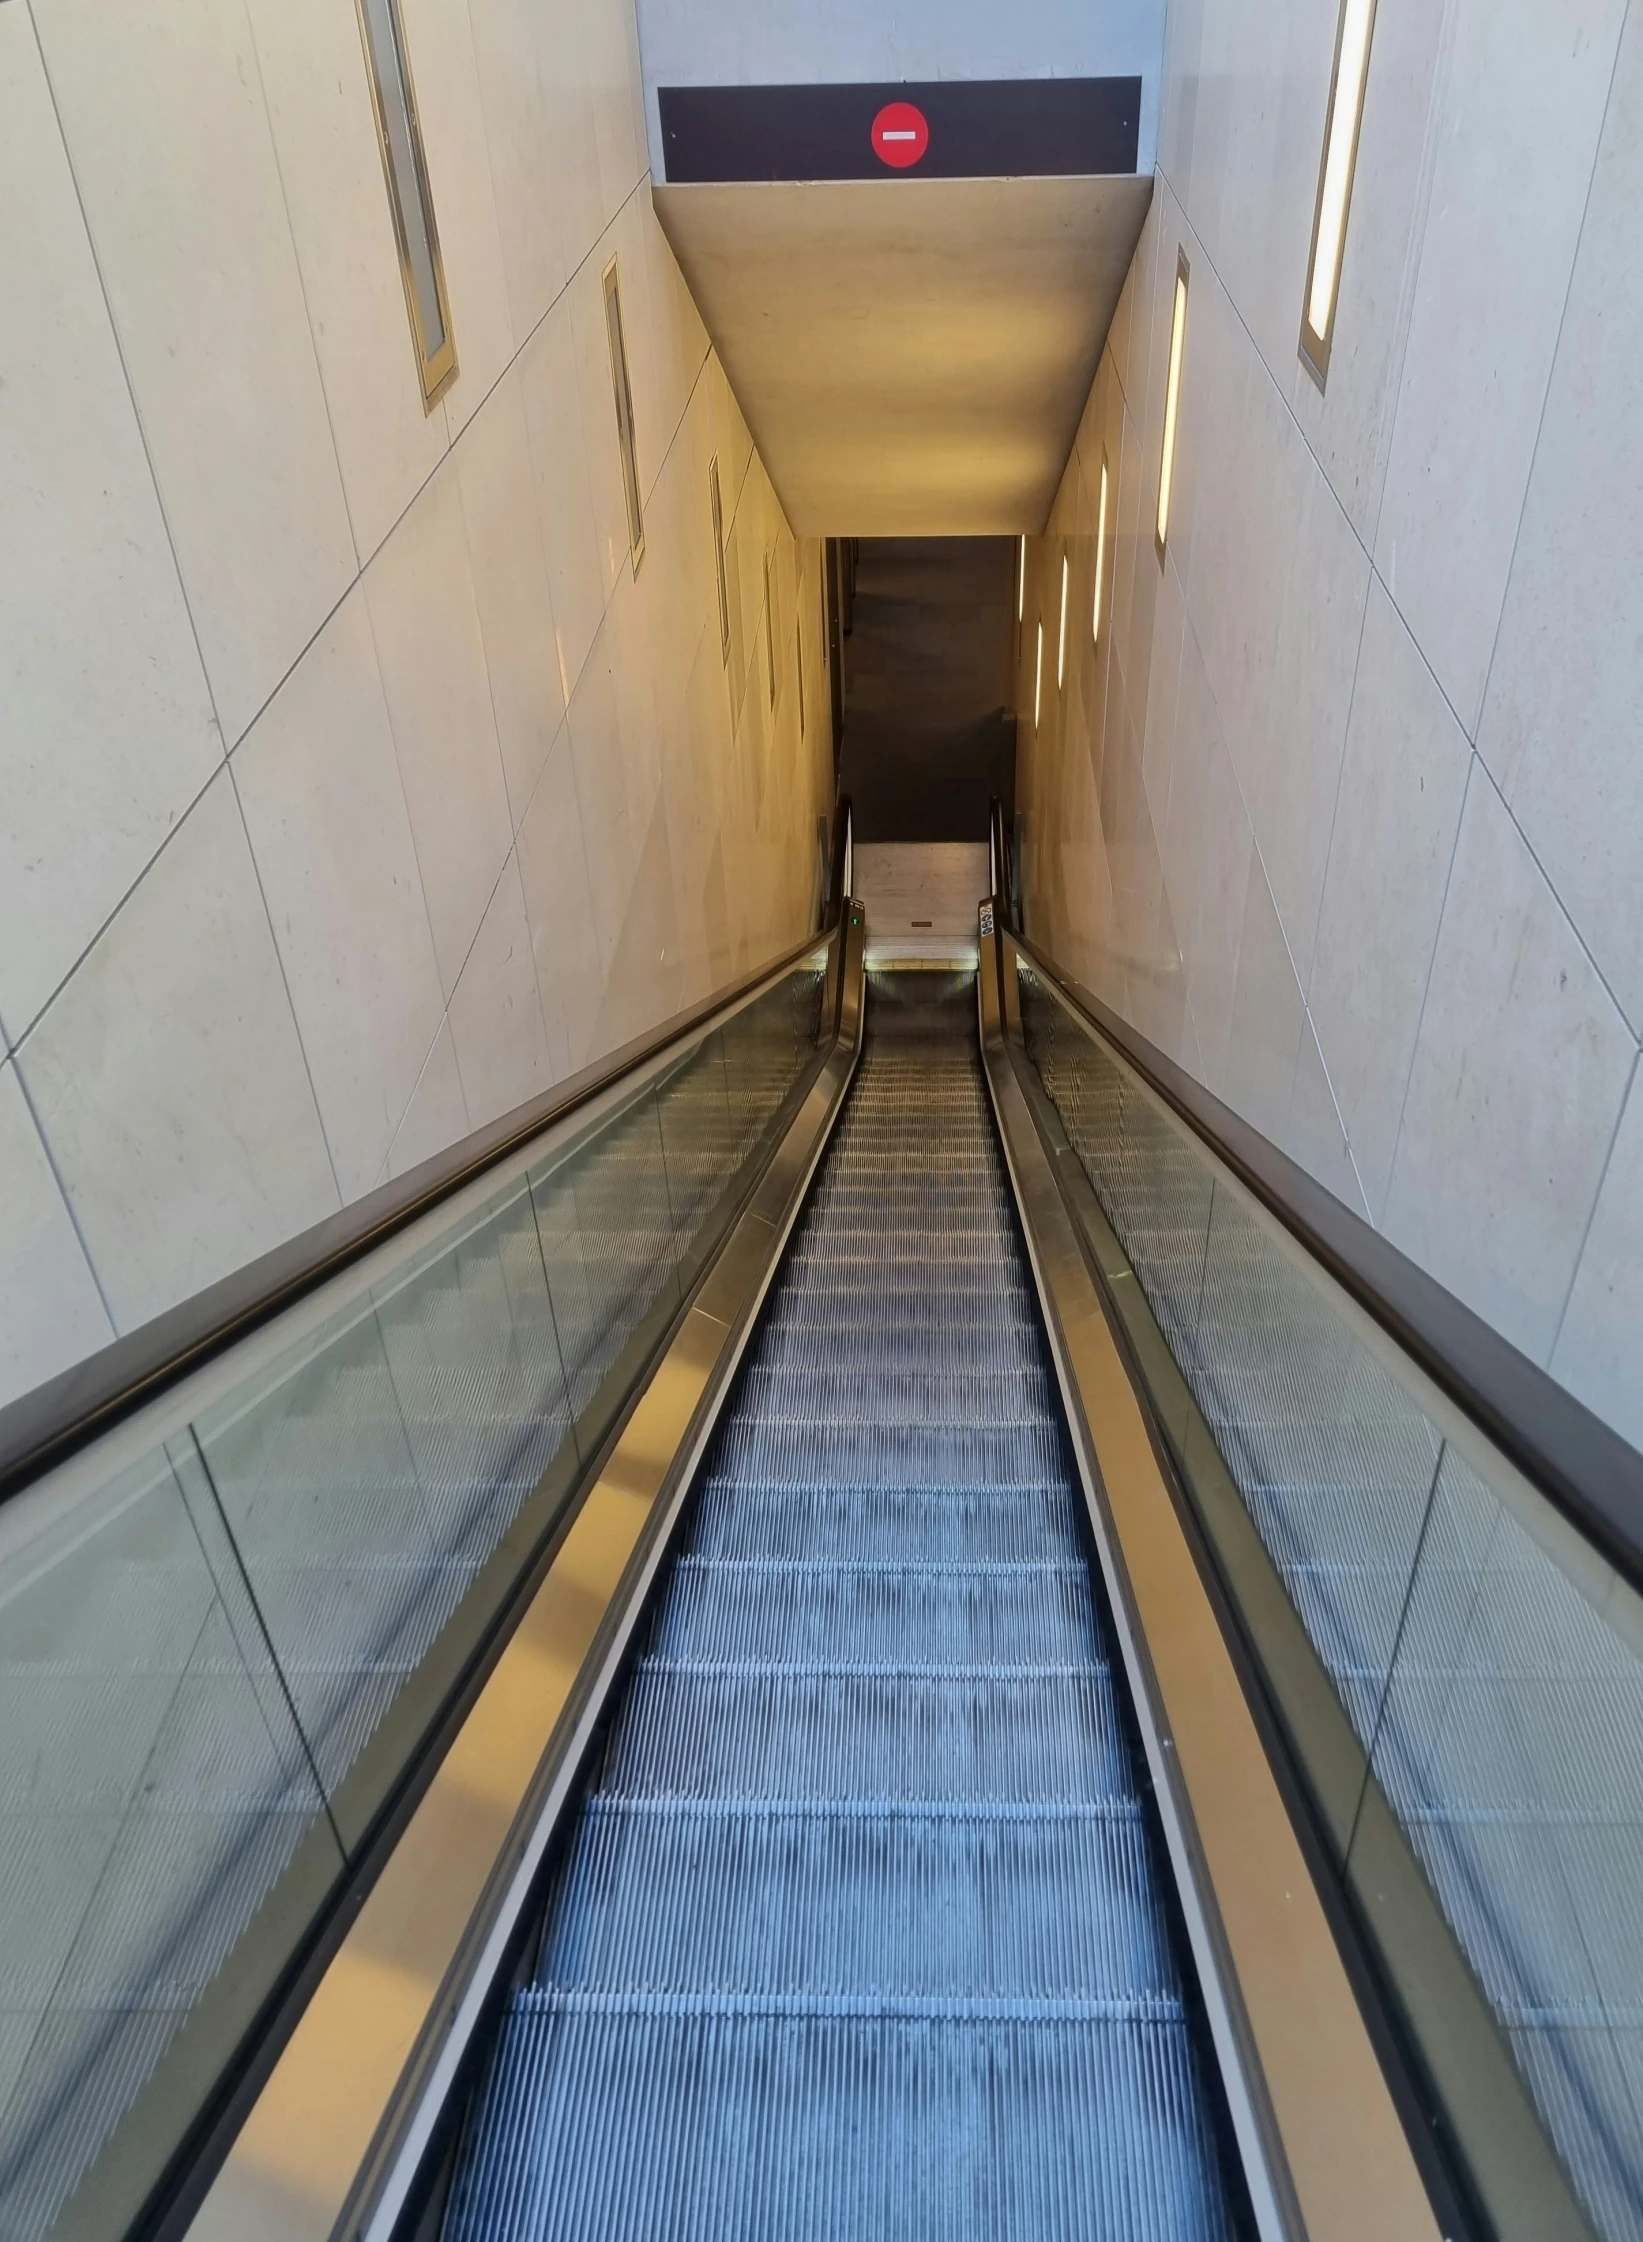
(871, 1619)
(862, 1916)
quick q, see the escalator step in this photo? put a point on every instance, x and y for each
(917, 2127)
(861, 1929)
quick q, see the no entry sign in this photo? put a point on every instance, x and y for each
(949, 128)
(901, 134)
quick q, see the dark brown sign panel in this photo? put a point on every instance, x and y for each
(978, 128)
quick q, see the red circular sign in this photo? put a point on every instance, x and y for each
(901, 134)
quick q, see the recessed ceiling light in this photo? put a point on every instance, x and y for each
(1061, 647)
(1172, 399)
(1100, 555)
(1346, 90)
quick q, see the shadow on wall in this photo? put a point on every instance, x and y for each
(929, 735)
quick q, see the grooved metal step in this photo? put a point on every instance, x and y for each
(860, 1931)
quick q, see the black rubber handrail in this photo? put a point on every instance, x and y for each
(1582, 1465)
(999, 850)
(43, 1427)
(839, 869)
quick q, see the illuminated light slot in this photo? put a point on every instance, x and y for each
(1100, 556)
(1172, 400)
(1323, 272)
(769, 631)
(717, 504)
(1021, 582)
(622, 391)
(410, 197)
(1061, 643)
(1038, 680)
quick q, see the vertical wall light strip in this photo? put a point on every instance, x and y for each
(798, 649)
(1100, 555)
(1021, 582)
(1340, 158)
(1172, 400)
(719, 555)
(410, 198)
(1061, 645)
(1038, 680)
(624, 414)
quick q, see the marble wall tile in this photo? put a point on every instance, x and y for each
(1520, 1068)
(637, 657)
(1158, 739)
(1597, 1349)
(320, 791)
(1403, 779)
(559, 907)
(1296, 753)
(1117, 349)
(179, 1023)
(1229, 503)
(1207, 852)
(1215, 84)
(106, 727)
(1510, 180)
(1135, 365)
(317, 84)
(1132, 549)
(1239, 620)
(1559, 727)
(1160, 992)
(440, 41)
(1213, 377)
(611, 47)
(678, 339)
(643, 979)
(1265, 1031)
(1257, 824)
(609, 834)
(437, 1115)
(516, 62)
(394, 726)
(1183, 47)
(496, 1013)
(1314, 1134)
(1150, 570)
(51, 1313)
(579, 198)
(504, 533)
(691, 830)
(197, 258)
(420, 593)
(570, 535)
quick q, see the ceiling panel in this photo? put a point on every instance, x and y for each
(912, 355)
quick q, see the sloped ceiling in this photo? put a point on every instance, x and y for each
(912, 356)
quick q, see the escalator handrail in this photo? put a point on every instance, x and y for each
(44, 1427)
(839, 872)
(999, 850)
(1583, 1466)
